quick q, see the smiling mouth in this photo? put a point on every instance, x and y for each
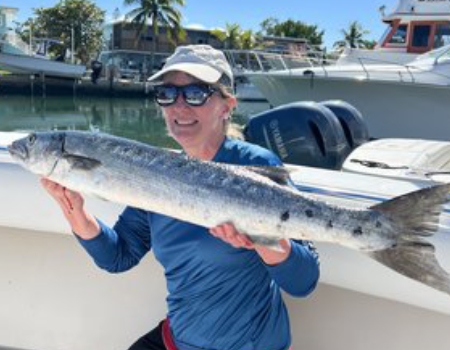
(185, 122)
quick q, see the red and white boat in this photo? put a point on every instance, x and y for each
(414, 27)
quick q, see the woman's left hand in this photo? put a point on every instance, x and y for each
(228, 233)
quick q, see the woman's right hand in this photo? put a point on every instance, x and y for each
(71, 203)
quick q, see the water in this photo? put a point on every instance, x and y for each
(138, 119)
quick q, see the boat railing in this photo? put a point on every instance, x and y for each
(402, 66)
(406, 72)
(411, 69)
(370, 74)
(264, 61)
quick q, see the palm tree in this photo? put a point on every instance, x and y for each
(231, 36)
(159, 12)
(248, 39)
(354, 36)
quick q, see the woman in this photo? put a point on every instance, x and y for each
(224, 291)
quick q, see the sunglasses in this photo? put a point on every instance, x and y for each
(193, 94)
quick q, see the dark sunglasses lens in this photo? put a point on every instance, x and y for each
(166, 95)
(196, 95)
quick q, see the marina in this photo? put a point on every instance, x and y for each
(353, 132)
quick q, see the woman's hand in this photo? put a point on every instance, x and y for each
(72, 206)
(228, 233)
(69, 201)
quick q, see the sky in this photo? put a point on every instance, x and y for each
(329, 15)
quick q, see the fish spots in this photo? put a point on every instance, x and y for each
(309, 213)
(232, 181)
(179, 164)
(285, 216)
(358, 231)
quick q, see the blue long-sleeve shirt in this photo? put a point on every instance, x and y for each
(219, 297)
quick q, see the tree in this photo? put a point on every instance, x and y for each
(80, 17)
(231, 36)
(293, 29)
(369, 44)
(160, 13)
(249, 40)
(353, 36)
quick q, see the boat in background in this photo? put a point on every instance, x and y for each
(244, 61)
(22, 64)
(19, 58)
(15, 59)
(396, 100)
(415, 27)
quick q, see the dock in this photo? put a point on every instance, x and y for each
(36, 85)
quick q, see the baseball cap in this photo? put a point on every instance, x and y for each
(201, 61)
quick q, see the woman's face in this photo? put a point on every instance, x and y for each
(199, 130)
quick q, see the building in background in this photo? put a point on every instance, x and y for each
(128, 53)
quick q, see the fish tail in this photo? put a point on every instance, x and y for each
(416, 215)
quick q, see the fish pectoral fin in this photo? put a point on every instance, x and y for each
(271, 243)
(80, 162)
(278, 174)
(415, 259)
(101, 198)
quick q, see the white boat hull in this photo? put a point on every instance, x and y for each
(391, 109)
(23, 64)
(246, 91)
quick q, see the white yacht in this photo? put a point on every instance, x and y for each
(53, 297)
(396, 100)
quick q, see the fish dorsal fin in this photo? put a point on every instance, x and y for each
(278, 174)
(418, 212)
(81, 162)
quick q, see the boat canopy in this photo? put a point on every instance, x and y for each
(422, 7)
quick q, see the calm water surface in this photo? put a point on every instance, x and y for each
(132, 118)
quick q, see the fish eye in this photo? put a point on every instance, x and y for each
(31, 139)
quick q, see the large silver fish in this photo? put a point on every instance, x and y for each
(254, 199)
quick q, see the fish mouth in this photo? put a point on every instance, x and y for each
(18, 150)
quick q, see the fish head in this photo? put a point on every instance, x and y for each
(39, 152)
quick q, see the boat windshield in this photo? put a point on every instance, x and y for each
(385, 34)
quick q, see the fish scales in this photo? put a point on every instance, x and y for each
(187, 189)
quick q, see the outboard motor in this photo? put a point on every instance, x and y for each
(97, 67)
(303, 133)
(352, 122)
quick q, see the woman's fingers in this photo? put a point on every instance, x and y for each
(228, 233)
(50, 186)
(72, 205)
(67, 199)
